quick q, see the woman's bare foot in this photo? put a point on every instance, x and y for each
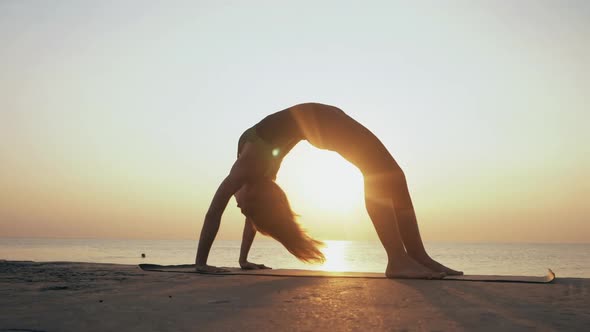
(404, 267)
(436, 266)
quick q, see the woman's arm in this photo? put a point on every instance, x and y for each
(247, 166)
(213, 219)
(247, 239)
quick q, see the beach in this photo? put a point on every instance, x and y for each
(65, 296)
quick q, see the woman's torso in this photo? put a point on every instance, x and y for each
(325, 127)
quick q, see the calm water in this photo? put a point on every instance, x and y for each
(567, 260)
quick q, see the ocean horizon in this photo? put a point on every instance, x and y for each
(566, 259)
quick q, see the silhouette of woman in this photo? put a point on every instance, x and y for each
(251, 179)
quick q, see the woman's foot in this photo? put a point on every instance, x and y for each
(436, 266)
(404, 267)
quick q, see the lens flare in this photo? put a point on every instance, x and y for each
(275, 152)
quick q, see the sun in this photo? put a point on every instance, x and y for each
(321, 180)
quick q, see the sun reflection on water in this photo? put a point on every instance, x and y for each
(336, 253)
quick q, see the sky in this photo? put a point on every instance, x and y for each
(119, 119)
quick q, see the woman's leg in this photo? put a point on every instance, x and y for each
(381, 210)
(408, 226)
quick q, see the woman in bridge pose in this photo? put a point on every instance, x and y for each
(251, 179)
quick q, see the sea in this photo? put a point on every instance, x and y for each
(566, 260)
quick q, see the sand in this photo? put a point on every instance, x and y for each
(106, 297)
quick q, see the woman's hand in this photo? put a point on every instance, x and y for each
(253, 266)
(210, 269)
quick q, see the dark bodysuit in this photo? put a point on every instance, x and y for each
(325, 127)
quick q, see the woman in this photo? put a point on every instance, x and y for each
(251, 179)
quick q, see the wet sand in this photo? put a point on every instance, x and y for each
(106, 297)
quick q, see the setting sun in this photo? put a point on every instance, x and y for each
(325, 180)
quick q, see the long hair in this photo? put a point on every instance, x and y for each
(269, 210)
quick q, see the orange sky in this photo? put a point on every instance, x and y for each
(119, 121)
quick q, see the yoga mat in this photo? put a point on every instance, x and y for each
(189, 268)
